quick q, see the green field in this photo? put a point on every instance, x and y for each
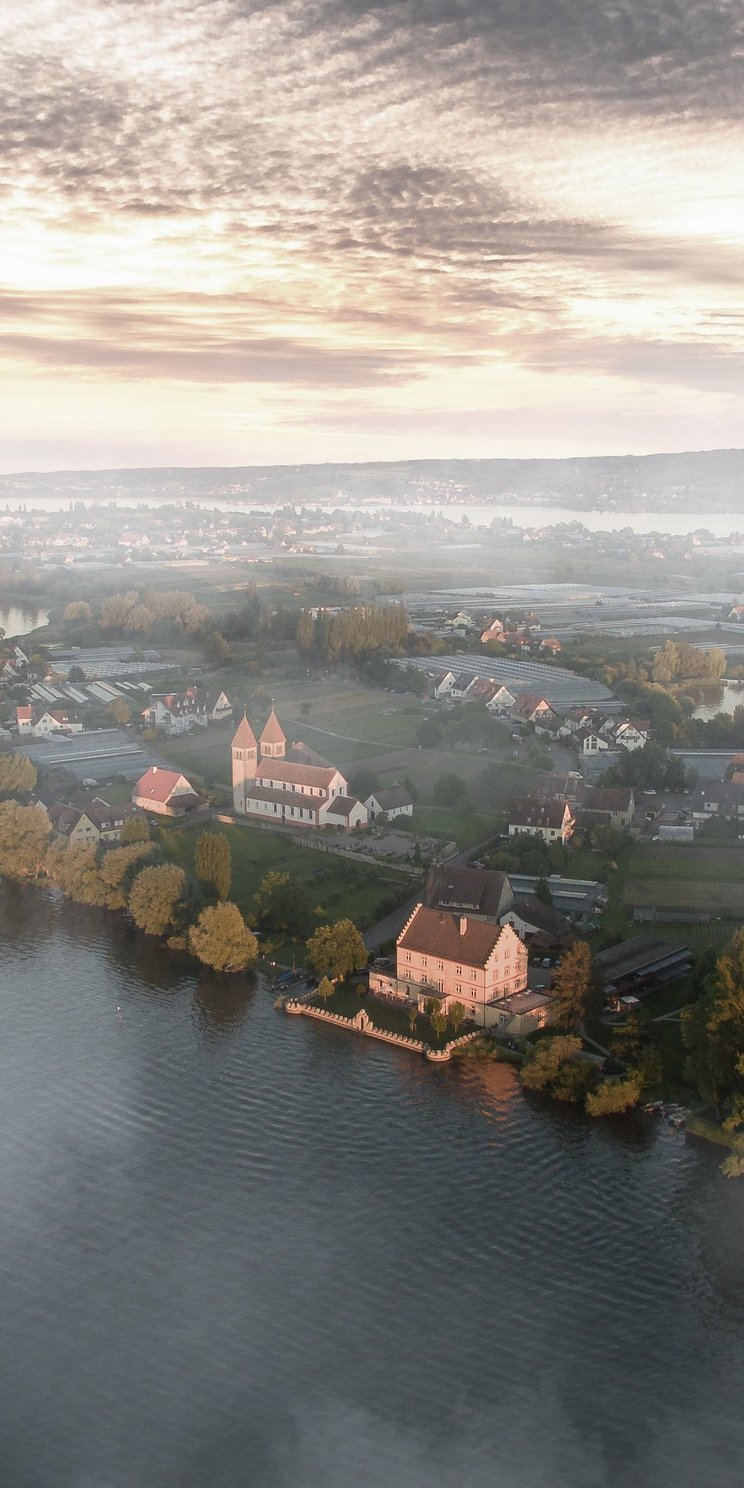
(346, 1001)
(340, 889)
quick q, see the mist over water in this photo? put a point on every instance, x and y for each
(240, 1249)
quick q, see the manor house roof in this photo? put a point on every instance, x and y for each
(449, 937)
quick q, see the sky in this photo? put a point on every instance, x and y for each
(278, 231)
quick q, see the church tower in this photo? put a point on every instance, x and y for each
(244, 763)
(273, 740)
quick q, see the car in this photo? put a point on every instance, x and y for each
(546, 961)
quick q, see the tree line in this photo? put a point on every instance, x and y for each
(160, 897)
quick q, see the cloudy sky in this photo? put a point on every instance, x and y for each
(240, 231)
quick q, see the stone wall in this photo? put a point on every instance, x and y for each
(362, 1023)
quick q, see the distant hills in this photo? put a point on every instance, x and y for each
(703, 480)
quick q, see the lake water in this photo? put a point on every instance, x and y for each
(239, 1250)
(725, 699)
(522, 514)
(19, 620)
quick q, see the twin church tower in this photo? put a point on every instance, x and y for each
(289, 783)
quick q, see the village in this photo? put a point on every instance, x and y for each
(462, 819)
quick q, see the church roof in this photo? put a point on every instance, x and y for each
(244, 737)
(273, 732)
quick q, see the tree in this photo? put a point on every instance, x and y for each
(76, 675)
(213, 862)
(337, 950)
(439, 1022)
(613, 1097)
(156, 898)
(450, 790)
(221, 939)
(281, 902)
(573, 986)
(456, 1015)
(77, 612)
(74, 866)
(542, 890)
(713, 1029)
(552, 1066)
(17, 775)
(24, 834)
(116, 867)
(412, 1016)
(135, 829)
(121, 712)
(325, 989)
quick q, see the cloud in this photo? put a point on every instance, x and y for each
(334, 194)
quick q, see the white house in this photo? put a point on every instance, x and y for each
(166, 792)
(56, 721)
(390, 803)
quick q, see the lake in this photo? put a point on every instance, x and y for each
(725, 699)
(19, 620)
(240, 1250)
(522, 514)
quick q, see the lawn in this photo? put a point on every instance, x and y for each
(347, 1001)
(463, 827)
(683, 863)
(342, 890)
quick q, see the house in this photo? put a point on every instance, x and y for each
(539, 924)
(165, 792)
(551, 645)
(531, 708)
(454, 958)
(615, 803)
(554, 821)
(25, 718)
(479, 893)
(570, 787)
(724, 799)
(442, 684)
(55, 721)
(633, 733)
(736, 613)
(493, 632)
(462, 688)
(95, 821)
(289, 784)
(588, 741)
(177, 712)
(393, 802)
(460, 622)
(735, 769)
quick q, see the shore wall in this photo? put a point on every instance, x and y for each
(362, 1023)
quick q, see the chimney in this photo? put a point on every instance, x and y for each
(154, 769)
(463, 924)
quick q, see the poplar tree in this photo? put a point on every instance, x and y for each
(213, 862)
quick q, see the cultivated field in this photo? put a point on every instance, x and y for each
(703, 894)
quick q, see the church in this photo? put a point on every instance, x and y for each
(289, 784)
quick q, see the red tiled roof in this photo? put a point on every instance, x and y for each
(434, 933)
(157, 784)
(284, 798)
(273, 732)
(286, 771)
(244, 736)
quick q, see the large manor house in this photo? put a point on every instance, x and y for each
(280, 782)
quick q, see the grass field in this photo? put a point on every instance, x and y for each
(341, 889)
(347, 1002)
(692, 894)
(717, 934)
(693, 862)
